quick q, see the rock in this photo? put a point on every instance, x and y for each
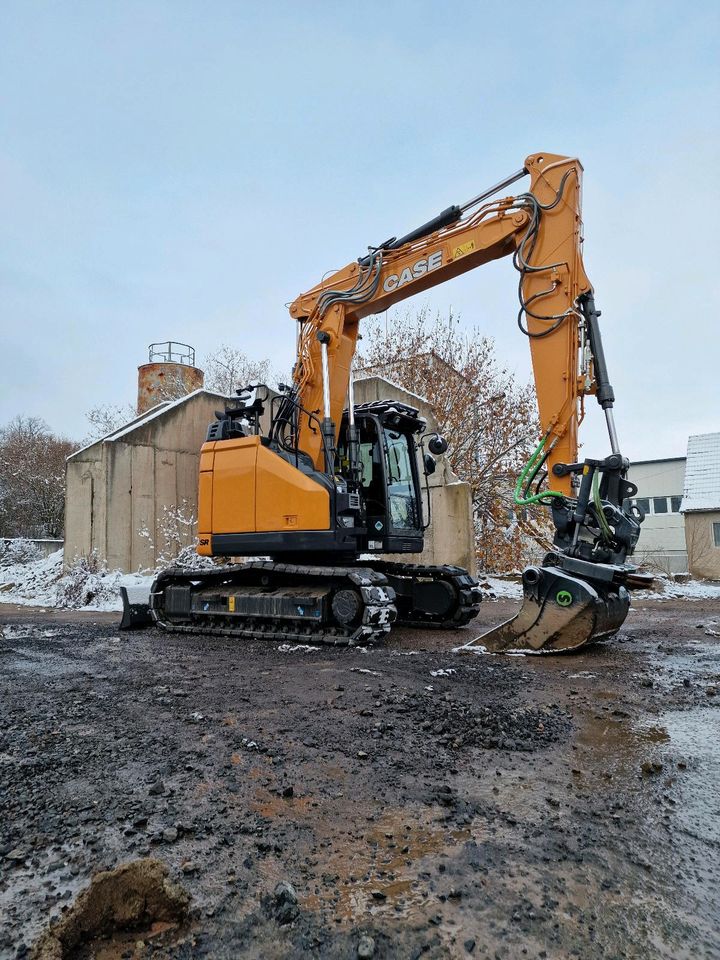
(170, 835)
(157, 789)
(710, 691)
(285, 902)
(379, 895)
(288, 791)
(18, 855)
(650, 768)
(362, 755)
(366, 948)
(469, 945)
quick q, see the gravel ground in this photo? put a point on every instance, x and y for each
(405, 801)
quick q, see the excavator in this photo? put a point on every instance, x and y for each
(333, 486)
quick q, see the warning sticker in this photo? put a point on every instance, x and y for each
(463, 249)
(231, 604)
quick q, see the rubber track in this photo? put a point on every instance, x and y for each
(379, 611)
(466, 588)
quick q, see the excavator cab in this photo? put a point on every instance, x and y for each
(384, 472)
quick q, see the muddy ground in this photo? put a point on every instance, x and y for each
(441, 805)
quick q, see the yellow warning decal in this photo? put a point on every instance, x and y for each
(231, 604)
(464, 249)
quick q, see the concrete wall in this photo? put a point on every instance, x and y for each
(123, 491)
(449, 538)
(119, 490)
(662, 537)
(45, 546)
(703, 555)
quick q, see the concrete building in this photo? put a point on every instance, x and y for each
(701, 505)
(132, 495)
(660, 486)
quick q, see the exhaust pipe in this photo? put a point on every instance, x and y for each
(559, 613)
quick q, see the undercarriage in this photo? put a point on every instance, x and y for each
(336, 605)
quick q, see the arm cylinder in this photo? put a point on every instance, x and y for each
(605, 393)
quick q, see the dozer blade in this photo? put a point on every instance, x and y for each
(559, 612)
(136, 608)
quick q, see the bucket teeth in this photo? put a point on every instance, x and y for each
(559, 612)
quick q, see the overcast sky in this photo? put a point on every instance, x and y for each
(184, 169)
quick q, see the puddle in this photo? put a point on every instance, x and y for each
(618, 746)
(695, 739)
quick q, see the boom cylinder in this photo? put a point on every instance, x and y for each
(353, 438)
(327, 426)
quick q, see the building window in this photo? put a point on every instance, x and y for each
(660, 505)
(675, 504)
(716, 534)
(644, 504)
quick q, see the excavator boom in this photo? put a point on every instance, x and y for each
(541, 230)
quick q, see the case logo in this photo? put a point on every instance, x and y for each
(424, 265)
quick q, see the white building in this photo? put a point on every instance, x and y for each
(701, 505)
(660, 486)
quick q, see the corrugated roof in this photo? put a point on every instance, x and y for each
(702, 473)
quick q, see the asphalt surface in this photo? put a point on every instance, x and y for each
(409, 801)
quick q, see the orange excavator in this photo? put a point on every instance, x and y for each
(332, 485)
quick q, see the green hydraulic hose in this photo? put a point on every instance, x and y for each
(604, 525)
(535, 458)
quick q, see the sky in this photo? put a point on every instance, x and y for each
(182, 170)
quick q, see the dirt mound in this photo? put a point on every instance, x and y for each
(512, 728)
(133, 896)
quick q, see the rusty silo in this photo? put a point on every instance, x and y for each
(169, 374)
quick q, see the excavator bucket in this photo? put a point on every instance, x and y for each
(560, 612)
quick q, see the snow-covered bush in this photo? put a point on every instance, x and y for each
(18, 551)
(86, 581)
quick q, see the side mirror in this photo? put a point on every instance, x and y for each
(438, 445)
(429, 464)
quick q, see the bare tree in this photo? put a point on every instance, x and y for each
(106, 418)
(489, 420)
(228, 368)
(32, 479)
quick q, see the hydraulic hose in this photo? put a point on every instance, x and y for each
(533, 464)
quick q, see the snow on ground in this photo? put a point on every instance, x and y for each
(42, 583)
(497, 588)
(666, 589)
